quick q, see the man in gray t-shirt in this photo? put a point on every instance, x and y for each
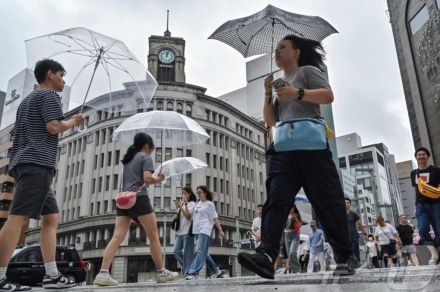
(133, 176)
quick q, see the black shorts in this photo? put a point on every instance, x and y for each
(389, 249)
(141, 207)
(33, 196)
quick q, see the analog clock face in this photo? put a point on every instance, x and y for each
(166, 56)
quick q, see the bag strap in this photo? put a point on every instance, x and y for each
(121, 180)
(386, 233)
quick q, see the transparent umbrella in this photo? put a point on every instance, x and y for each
(179, 166)
(101, 70)
(172, 128)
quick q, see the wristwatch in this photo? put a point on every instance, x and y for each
(300, 94)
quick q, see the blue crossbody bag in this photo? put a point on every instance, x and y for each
(300, 134)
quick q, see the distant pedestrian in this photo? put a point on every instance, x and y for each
(406, 233)
(427, 207)
(256, 226)
(388, 237)
(303, 254)
(372, 252)
(292, 232)
(353, 220)
(299, 95)
(184, 245)
(137, 175)
(316, 248)
(204, 218)
(32, 164)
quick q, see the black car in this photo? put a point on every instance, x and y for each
(27, 268)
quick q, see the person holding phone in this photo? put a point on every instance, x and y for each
(303, 89)
(184, 245)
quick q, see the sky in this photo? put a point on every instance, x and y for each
(361, 58)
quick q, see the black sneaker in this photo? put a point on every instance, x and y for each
(348, 268)
(57, 282)
(6, 286)
(258, 263)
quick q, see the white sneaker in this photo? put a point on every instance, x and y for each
(105, 280)
(218, 274)
(192, 277)
(57, 282)
(166, 276)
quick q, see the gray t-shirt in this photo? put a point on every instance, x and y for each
(307, 77)
(134, 173)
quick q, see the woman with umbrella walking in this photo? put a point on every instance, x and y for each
(298, 96)
(137, 174)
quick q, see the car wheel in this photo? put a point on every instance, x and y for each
(71, 278)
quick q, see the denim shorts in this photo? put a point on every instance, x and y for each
(33, 196)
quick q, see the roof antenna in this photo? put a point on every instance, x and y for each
(167, 33)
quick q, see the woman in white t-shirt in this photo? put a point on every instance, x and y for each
(387, 236)
(204, 218)
(184, 245)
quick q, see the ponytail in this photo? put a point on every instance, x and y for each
(139, 142)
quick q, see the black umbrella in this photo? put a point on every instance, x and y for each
(255, 34)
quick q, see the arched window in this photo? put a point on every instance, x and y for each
(140, 107)
(188, 110)
(170, 106)
(180, 108)
(150, 107)
(160, 105)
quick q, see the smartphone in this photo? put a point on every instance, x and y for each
(277, 83)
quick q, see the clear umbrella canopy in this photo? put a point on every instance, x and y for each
(167, 128)
(101, 70)
(179, 166)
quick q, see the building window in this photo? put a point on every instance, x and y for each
(107, 183)
(214, 184)
(109, 158)
(160, 105)
(167, 154)
(115, 182)
(102, 160)
(214, 161)
(170, 106)
(419, 20)
(117, 154)
(179, 108)
(188, 153)
(156, 203)
(188, 110)
(208, 181)
(208, 159)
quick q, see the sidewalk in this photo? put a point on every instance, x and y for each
(425, 278)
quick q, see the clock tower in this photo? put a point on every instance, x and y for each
(166, 57)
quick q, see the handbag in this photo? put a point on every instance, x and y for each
(175, 224)
(126, 199)
(300, 134)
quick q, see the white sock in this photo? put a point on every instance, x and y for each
(104, 273)
(51, 269)
(161, 270)
(3, 272)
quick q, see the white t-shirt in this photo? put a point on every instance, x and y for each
(372, 251)
(256, 225)
(385, 233)
(203, 218)
(185, 223)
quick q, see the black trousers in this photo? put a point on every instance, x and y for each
(315, 172)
